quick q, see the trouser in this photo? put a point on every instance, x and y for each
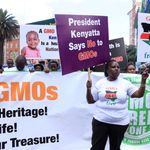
(101, 131)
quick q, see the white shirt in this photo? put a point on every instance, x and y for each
(111, 100)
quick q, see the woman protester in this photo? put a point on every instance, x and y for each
(111, 116)
(130, 68)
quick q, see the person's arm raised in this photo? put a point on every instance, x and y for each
(140, 92)
(89, 95)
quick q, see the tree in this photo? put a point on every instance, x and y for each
(131, 53)
(8, 30)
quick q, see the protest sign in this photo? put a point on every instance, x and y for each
(82, 40)
(143, 52)
(118, 52)
(46, 45)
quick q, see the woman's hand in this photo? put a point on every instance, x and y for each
(140, 92)
(145, 74)
(89, 95)
(89, 84)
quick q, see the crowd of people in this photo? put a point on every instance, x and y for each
(129, 68)
(23, 64)
(49, 65)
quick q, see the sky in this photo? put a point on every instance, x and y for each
(27, 11)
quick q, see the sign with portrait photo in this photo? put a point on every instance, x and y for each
(39, 42)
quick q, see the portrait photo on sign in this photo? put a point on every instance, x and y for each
(38, 42)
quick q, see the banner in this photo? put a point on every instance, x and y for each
(138, 133)
(42, 111)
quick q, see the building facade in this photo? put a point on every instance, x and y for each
(136, 4)
(11, 49)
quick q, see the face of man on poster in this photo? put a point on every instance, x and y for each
(82, 40)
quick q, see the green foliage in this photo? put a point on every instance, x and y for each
(8, 30)
(131, 53)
